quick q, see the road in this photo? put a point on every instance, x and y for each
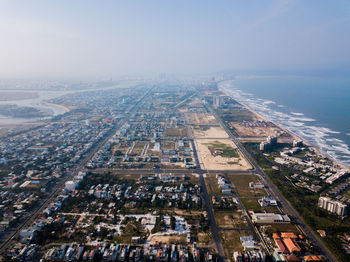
(32, 216)
(174, 171)
(213, 227)
(287, 206)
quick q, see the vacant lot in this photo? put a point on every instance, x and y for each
(237, 115)
(181, 239)
(231, 242)
(251, 204)
(204, 238)
(221, 154)
(255, 131)
(230, 219)
(241, 183)
(200, 118)
(209, 132)
(176, 132)
(212, 184)
(347, 194)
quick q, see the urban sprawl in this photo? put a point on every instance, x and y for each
(167, 171)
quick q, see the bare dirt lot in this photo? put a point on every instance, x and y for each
(204, 238)
(176, 132)
(231, 242)
(169, 239)
(201, 118)
(221, 154)
(255, 131)
(209, 132)
(241, 183)
(230, 219)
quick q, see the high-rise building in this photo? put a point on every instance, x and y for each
(332, 206)
(216, 102)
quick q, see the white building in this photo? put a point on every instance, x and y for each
(297, 143)
(269, 218)
(71, 185)
(256, 185)
(267, 201)
(332, 206)
(216, 102)
(272, 140)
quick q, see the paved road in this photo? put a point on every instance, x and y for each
(287, 206)
(164, 170)
(214, 228)
(32, 216)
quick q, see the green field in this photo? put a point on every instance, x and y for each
(241, 184)
(212, 184)
(227, 151)
(251, 204)
(230, 219)
(231, 242)
(347, 194)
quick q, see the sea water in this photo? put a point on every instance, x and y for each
(315, 108)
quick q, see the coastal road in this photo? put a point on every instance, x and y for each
(287, 206)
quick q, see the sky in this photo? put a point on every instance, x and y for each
(83, 38)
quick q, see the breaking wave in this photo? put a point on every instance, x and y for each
(298, 123)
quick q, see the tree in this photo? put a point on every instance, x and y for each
(172, 222)
(103, 232)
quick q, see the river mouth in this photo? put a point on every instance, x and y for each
(40, 100)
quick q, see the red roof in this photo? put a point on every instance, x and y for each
(291, 245)
(281, 246)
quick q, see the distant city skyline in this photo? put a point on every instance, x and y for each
(113, 38)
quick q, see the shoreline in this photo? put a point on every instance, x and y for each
(66, 109)
(15, 122)
(308, 143)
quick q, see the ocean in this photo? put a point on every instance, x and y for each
(315, 108)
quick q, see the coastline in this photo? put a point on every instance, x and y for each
(308, 143)
(66, 109)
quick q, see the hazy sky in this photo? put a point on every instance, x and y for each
(108, 38)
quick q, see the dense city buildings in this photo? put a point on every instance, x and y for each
(163, 171)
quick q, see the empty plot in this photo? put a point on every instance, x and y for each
(212, 184)
(201, 118)
(221, 154)
(176, 132)
(230, 219)
(180, 239)
(231, 242)
(241, 183)
(209, 132)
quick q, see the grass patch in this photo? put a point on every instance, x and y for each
(231, 242)
(277, 228)
(212, 185)
(229, 219)
(251, 204)
(204, 238)
(241, 183)
(347, 194)
(223, 150)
